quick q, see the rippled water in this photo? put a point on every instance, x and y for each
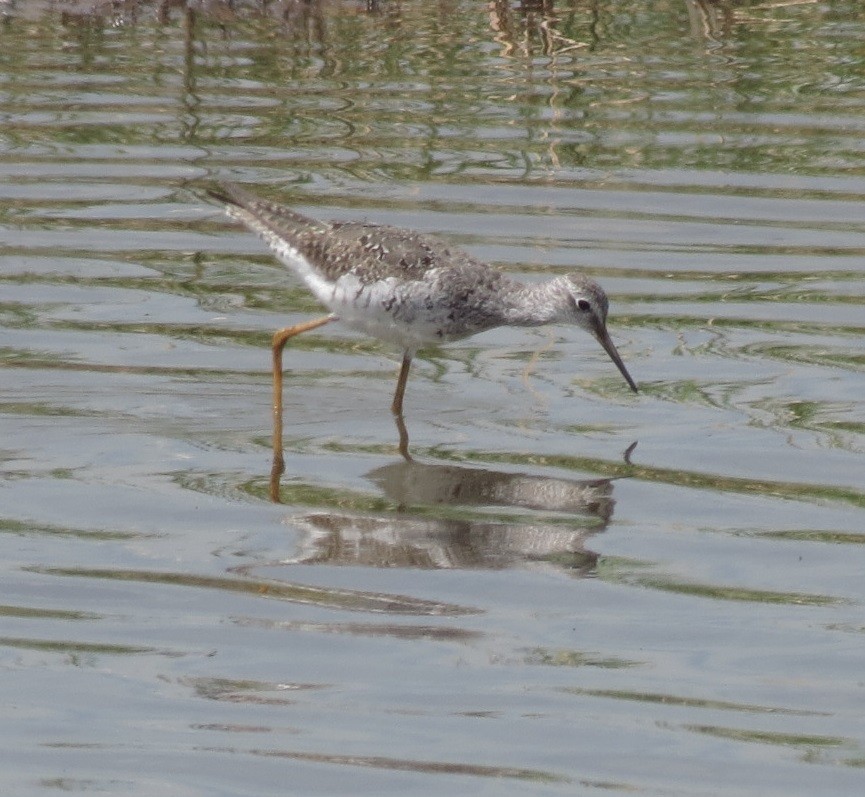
(531, 605)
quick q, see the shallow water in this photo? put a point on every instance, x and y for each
(531, 605)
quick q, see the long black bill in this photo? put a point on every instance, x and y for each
(609, 347)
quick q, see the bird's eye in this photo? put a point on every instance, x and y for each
(584, 305)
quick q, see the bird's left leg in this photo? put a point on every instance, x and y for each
(280, 337)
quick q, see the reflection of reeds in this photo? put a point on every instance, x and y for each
(621, 571)
(349, 600)
(669, 699)
(713, 481)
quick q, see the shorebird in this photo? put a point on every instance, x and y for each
(408, 289)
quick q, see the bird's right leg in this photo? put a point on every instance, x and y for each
(396, 406)
(280, 338)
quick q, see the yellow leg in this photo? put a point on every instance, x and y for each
(403, 438)
(396, 407)
(280, 337)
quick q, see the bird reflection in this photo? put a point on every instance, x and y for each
(456, 517)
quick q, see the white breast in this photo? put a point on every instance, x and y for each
(389, 310)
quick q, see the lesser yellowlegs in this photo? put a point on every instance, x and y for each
(408, 289)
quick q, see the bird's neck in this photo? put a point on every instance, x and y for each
(536, 304)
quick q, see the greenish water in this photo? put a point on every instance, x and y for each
(531, 605)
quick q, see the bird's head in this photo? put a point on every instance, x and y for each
(587, 308)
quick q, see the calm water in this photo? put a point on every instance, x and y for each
(525, 608)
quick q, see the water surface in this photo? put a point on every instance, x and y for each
(530, 605)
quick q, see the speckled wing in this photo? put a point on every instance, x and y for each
(375, 252)
(369, 252)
